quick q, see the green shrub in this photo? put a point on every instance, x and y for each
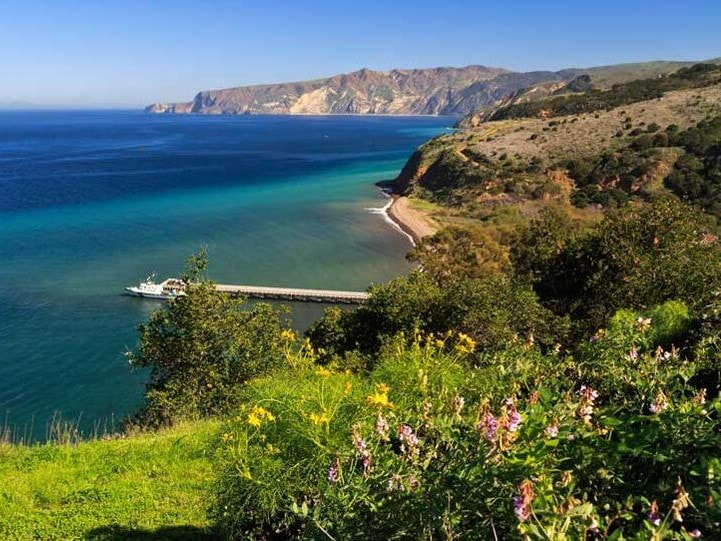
(522, 446)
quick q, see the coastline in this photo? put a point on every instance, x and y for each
(413, 223)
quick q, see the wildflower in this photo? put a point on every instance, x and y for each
(633, 354)
(257, 415)
(552, 430)
(700, 398)
(514, 419)
(226, 437)
(319, 418)
(382, 427)
(458, 403)
(323, 372)
(395, 483)
(653, 515)
(413, 483)
(362, 450)
(680, 503)
(347, 388)
(695, 533)
(643, 323)
(380, 397)
(380, 400)
(585, 408)
(488, 426)
(287, 335)
(521, 503)
(465, 344)
(333, 472)
(272, 449)
(660, 404)
(409, 441)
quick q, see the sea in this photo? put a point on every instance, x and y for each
(93, 201)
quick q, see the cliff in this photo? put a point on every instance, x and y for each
(433, 91)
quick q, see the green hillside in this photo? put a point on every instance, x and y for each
(146, 486)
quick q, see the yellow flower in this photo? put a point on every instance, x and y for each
(465, 344)
(319, 418)
(287, 335)
(323, 371)
(380, 400)
(382, 388)
(227, 437)
(259, 414)
(347, 388)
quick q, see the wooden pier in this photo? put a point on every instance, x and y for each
(295, 294)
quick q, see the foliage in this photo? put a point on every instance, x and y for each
(697, 174)
(201, 348)
(636, 257)
(520, 446)
(493, 311)
(457, 252)
(140, 486)
(695, 76)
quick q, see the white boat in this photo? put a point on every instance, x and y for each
(169, 289)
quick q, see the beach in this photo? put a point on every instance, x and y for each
(414, 223)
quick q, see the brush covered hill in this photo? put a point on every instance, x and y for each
(582, 150)
(434, 91)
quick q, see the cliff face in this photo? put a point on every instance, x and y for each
(435, 91)
(421, 91)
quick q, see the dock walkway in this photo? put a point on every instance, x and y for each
(295, 294)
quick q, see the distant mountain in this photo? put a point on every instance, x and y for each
(434, 91)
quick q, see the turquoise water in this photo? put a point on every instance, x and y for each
(93, 201)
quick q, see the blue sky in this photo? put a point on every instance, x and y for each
(134, 52)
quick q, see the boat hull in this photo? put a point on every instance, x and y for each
(135, 292)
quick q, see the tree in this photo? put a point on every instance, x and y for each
(201, 348)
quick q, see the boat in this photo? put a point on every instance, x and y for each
(171, 288)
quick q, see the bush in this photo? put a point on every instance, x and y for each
(493, 311)
(636, 257)
(200, 349)
(520, 446)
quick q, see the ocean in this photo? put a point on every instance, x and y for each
(93, 201)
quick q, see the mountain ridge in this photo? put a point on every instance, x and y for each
(425, 91)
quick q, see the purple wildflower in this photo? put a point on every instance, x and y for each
(333, 472)
(520, 509)
(514, 419)
(382, 427)
(488, 425)
(653, 515)
(695, 533)
(552, 430)
(409, 441)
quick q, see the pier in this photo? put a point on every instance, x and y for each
(295, 294)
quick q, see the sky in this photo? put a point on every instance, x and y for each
(131, 53)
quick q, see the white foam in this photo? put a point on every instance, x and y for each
(383, 211)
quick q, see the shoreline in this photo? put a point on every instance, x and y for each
(412, 223)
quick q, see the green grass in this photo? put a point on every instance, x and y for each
(148, 486)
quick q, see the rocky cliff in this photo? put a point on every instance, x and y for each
(434, 91)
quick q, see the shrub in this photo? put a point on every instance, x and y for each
(200, 349)
(523, 445)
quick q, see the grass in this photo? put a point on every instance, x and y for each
(147, 486)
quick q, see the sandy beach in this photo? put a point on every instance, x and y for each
(413, 222)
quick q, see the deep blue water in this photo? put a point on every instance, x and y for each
(91, 201)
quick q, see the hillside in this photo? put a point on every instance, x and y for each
(516, 165)
(434, 91)
(147, 486)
